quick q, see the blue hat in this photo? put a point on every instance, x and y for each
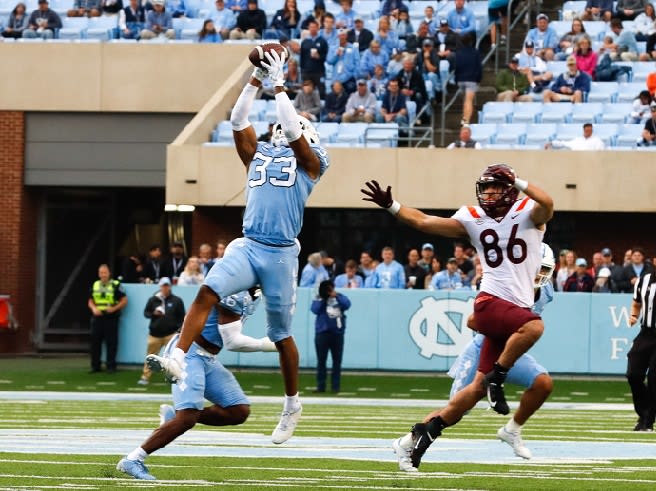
(164, 281)
(581, 262)
(428, 245)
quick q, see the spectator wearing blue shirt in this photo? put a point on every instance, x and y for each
(389, 274)
(176, 8)
(345, 19)
(329, 327)
(314, 50)
(224, 19)
(371, 57)
(461, 19)
(569, 86)
(17, 22)
(350, 279)
(346, 62)
(625, 42)
(545, 38)
(385, 36)
(313, 273)
(208, 33)
(393, 109)
(158, 22)
(450, 278)
(392, 7)
(598, 10)
(328, 31)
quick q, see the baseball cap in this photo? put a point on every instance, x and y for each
(604, 273)
(452, 260)
(443, 22)
(358, 18)
(164, 281)
(43, 1)
(581, 262)
(514, 59)
(428, 245)
(542, 16)
(529, 44)
(606, 252)
(427, 42)
(362, 81)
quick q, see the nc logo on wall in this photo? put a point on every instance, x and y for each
(439, 326)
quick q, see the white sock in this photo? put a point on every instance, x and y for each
(291, 403)
(137, 454)
(406, 441)
(512, 427)
(268, 345)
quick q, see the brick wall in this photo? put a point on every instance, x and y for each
(18, 218)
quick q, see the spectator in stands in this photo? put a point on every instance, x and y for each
(361, 105)
(313, 273)
(366, 268)
(17, 23)
(328, 31)
(464, 140)
(627, 258)
(318, 14)
(350, 278)
(346, 62)
(208, 33)
(360, 35)
(132, 20)
(395, 64)
(345, 18)
(314, 51)
(251, 22)
(392, 7)
(174, 265)
(645, 23)
(427, 254)
(43, 22)
(650, 55)
(451, 278)
(333, 265)
(205, 250)
(497, 14)
(435, 267)
(412, 83)
(462, 20)
(286, 21)
(224, 19)
(415, 275)
(430, 20)
(158, 22)
(84, 8)
(448, 43)
(635, 270)
(389, 273)
(629, 9)
(152, 270)
(378, 83)
(404, 27)
(428, 64)
(586, 142)
(192, 274)
(624, 41)
(393, 109)
(569, 86)
(132, 269)
(386, 36)
(641, 110)
(111, 7)
(166, 312)
(220, 249)
(586, 58)
(569, 40)
(649, 132)
(465, 265)
(602, 281)
(534, 68)
(615, 269)
(566, 268)
(580, 280)
(335, 104)
(307, 102)
(544, 38)
(293, 80)
(512, 85)
(469, 72)
(597, 264)
(371, 57)
(598, 10)
(237, 5)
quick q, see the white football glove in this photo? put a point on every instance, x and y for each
(176, 366)
(275, 67)
(260, 74)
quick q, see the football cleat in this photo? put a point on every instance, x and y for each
(166, 414)
(172, 370)
(135, 468)
(514, 439)
(403, 456)
(286, 426)
(495, 395)
(421, 440)
(644, 425)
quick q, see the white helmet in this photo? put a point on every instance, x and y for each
(278, 138)
(546, 267)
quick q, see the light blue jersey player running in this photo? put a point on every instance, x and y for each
(204, 378)
(280, 178)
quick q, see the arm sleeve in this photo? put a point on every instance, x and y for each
(287, 117)
(239, 115)
(316, 306)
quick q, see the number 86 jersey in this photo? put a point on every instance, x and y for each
(276, 192)
(509, 250)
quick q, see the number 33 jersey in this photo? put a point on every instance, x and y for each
(276, 192)
(510, 250)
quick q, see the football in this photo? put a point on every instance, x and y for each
(256, 56)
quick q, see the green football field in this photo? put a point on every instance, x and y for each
(64, 429)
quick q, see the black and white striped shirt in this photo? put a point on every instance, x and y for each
(643, 293)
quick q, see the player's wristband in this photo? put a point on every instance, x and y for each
(395, 208)
(520, 184)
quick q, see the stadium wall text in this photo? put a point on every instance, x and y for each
(421, 330)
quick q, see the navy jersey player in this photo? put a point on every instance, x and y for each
(280, 177)
(204, 378)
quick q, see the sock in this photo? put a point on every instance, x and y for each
(500, 373)
(406, 441)
(512, 426)
(435, 426)
(137, 454)
(268, 345)
(291, 403)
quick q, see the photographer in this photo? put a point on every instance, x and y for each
(329, 332)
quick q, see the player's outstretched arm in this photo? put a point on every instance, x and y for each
(543, 210)
(242, 130)
(447, 227)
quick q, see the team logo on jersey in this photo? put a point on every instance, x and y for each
(439, 326)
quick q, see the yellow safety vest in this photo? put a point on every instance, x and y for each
(103, 295)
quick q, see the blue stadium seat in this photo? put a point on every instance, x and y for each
(595, 29)
(223, 132)
(189, 28)
(351, 133)
(385, 135)
(641, 69)
(102, 27)
(218, 144)
(629, 135)
(496, 112)
(270, 112)
(367, 8)
(59, 6)
(567, 131)
(572, 8)
(498, 146)
(607, 132)
(539, 134)
(556, 112)
(511, 133)
(615, 112)
(602, 92)
(561, 27)
(627, 92)
(73, 27)
(587, 113)
(260, 127)
(327, 131)
(6, 6)
(258, 110)
(526, 112)
(484, 133)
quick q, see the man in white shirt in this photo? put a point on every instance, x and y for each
(586, 142)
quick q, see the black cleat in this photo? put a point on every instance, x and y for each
(495, 395)
(644, 425)
(421, 440)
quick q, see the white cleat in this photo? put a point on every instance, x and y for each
(286, 425)
(403, 455)
(514, 439)
(172, 370)
(166, 414)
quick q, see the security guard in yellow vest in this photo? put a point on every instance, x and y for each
(106, 301)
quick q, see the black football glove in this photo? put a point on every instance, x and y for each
(377, 195)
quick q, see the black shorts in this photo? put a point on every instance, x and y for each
(495, 14)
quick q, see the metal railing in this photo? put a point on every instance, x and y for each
(530, 6)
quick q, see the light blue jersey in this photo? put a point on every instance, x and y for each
(389, 275)
(523, 372)
(276, 192)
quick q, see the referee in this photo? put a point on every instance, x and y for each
(642, 356)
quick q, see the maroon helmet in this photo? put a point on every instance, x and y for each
(500, 175)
